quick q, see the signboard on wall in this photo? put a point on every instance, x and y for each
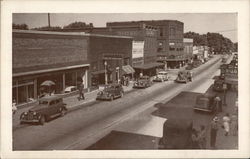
(138, 49)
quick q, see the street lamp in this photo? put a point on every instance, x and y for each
(106, 77)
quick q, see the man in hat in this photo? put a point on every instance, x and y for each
(213, 131)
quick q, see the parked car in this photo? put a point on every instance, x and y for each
(218, 85)
(48, 107)
(70, 89)
(176, 134)
(161, 76)
(110, 92)
(205, 102)
(142, 82)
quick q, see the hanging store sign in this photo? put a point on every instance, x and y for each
(137, 49)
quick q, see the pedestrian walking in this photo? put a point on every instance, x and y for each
(226, 124)
(14, 108)
(234, 124)
(195, 139)
(81, 93)
(213, 131)
(202, 137)
(127, 81)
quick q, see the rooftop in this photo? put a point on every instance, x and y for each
(67, 33)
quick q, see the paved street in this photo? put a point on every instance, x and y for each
(92, 121)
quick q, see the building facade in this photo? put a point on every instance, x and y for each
(169, 47)
(188, 48)
(65, 59)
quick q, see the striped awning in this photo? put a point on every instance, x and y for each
(127, 69)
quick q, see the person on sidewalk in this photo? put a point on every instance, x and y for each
(81, 93)
(195, 139)
(202, 137)
(226, 125)
(14, 108)
(213, 131)
(234, 124)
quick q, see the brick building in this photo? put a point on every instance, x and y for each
(64, 58)
(169, 47)
(144, 44)
(188, 48)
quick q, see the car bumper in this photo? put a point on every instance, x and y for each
(202, 109)
(139, 86)
(103, 97)
(29, 121)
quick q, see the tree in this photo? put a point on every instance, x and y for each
(78, 25)
(217, 42)
(20, 26)
(47, 28)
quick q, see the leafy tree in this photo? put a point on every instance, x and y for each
(20, 26)
(217, 42)
(47, 28)
(78, 25)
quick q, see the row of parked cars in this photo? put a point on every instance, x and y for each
(52, 106)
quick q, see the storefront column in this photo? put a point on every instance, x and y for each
(35, 88)
(86, 79)
(63, 76)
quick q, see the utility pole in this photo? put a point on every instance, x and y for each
(49, 20)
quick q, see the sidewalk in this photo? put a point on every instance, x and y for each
(222, 141)
(72, 103)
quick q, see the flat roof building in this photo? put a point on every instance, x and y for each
(64, 58)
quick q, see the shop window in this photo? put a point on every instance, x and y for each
(70, 79)
(171, 48)
(161, 31)
(159, 49)
(22, 94)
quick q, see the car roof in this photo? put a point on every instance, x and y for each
(50, 98)
(163, 72)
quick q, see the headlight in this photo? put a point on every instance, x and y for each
(34, 113)
(25, 113)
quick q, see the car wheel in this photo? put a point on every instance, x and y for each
(42, 120)
(63, 111)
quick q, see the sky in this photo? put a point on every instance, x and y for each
(223, 23)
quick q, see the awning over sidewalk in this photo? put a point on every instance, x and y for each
(149, 65)
(127, 69)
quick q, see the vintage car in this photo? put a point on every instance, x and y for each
(218, 85)
(161, 76)
(70, 89)
(176, 134)
(48, 107)
(183, 77)
(110, 92)
(205, 102)
(142, 82)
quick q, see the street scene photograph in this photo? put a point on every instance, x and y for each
(124, 81)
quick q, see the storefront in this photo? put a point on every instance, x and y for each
(27, 85)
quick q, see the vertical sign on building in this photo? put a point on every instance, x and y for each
(137, 52)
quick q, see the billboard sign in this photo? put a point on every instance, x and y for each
(138, 49)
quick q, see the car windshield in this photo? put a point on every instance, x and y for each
(107, 87)
(43, 102)
(162, 73)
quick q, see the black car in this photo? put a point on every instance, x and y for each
(48, 107)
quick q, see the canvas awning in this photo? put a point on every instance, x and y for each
(127, 69)
(149, 65)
